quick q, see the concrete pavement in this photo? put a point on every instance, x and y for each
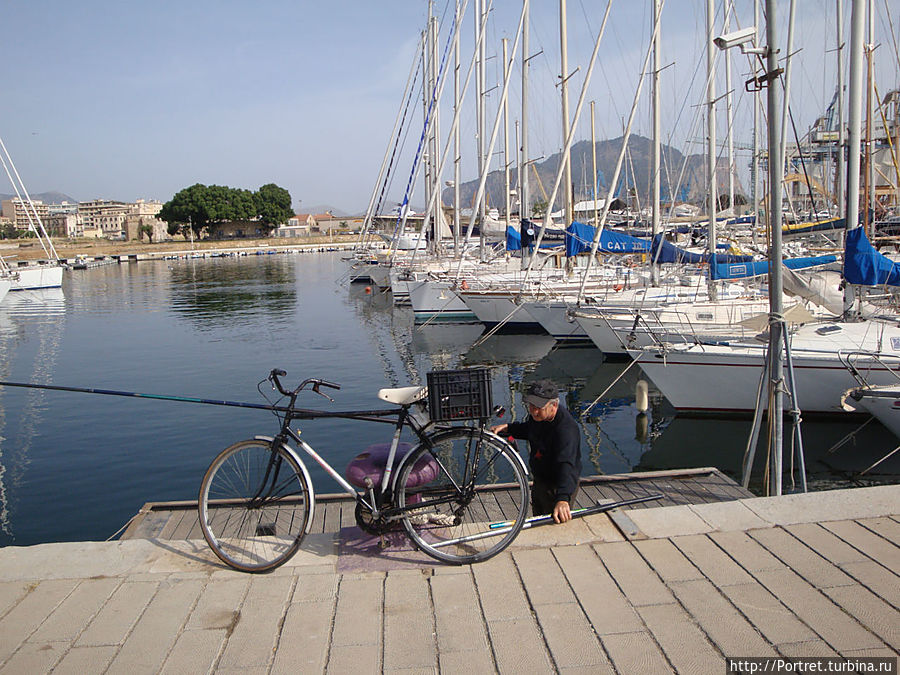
(801, 575)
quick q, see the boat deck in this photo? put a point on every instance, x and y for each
(178, 520)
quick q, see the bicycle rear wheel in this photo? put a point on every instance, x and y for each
(467, 495)
(254, 506)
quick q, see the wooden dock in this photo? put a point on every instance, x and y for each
(178, 520)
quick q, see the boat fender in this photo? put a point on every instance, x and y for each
(641, 396)
(464, 285)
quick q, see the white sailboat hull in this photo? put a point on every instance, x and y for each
(554, 318)
(725, 378)
(432, 299)
(883, 403)
(37, 276)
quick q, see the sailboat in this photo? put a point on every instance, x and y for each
(42, 274)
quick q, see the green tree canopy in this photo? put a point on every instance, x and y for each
(200, 206)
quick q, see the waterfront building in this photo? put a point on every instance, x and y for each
(104, 215)
(18, 211)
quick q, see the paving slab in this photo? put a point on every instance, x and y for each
(815, 507)
(566, 600)
(729, 516)
(806, 562)
(669, 521)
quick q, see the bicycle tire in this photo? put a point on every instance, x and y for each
(253, 528)
(459, 515)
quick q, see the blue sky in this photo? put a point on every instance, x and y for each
(127, 100)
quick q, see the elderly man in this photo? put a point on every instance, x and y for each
(554, 442)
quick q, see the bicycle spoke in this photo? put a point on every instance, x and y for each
(449, 517)
(254, 506)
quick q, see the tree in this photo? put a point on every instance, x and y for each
(148, 230)
(201, 207)
(189, 208)
(539, 208)
(273, 205)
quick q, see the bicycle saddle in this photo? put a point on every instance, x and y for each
(403, 395)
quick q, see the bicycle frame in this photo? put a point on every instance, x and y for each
(369, 498)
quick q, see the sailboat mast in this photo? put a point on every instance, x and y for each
(729, 111)
(711, 200)
(840, 178)
(456, 134)
(506, 162)
(437, 220)
(870, 83)
(854, 114)
(655, 166)
(754, 165)
(524, 187)
(564, 90)
(594, 166)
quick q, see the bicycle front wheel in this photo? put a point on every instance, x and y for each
(464, 495)
(254, 506)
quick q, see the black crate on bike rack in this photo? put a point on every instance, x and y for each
(459, 394)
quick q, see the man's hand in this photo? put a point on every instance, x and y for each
(499, 429)
(561, 512)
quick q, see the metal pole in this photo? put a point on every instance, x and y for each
(854, 112)
(656, 166)
(505, 43)
(711, 199)
(776, 321)
(564, 84)
(524, 192)
(456, 136)
(840, 178)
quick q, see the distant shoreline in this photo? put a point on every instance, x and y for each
(16, 250)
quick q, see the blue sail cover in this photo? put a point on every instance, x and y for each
(664, 251)
(514, 240)
(864, 265)
(755, 269)
(580, 238)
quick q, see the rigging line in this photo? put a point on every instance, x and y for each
(412, 91)
(611, 384)
(426, 129)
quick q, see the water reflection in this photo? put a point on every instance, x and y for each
(217, 293)
(38, 314)
(830, 463)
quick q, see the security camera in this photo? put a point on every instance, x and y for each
(738, 37)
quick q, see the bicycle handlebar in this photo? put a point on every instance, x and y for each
(314, 381)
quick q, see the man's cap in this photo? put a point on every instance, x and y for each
(540, 392)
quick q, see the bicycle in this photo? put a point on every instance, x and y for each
(461, 492)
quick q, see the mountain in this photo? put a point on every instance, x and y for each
(693, 187)
(47, 197)
(325, 208)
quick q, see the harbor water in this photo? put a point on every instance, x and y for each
(76, 466)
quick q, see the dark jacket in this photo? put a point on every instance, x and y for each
(554, 450)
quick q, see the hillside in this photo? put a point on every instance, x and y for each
(46, 197)
(693, 188)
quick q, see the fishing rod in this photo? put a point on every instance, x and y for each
(535, 521)
(299, 413)
(504, 526)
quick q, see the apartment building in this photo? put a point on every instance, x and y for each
(20, 214)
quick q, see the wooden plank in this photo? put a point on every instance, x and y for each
(172, 524)
(148, 526)
(334, 511)
(183, 530)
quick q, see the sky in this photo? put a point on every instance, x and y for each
(137, 100)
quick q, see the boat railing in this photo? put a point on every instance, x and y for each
(849, 359)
